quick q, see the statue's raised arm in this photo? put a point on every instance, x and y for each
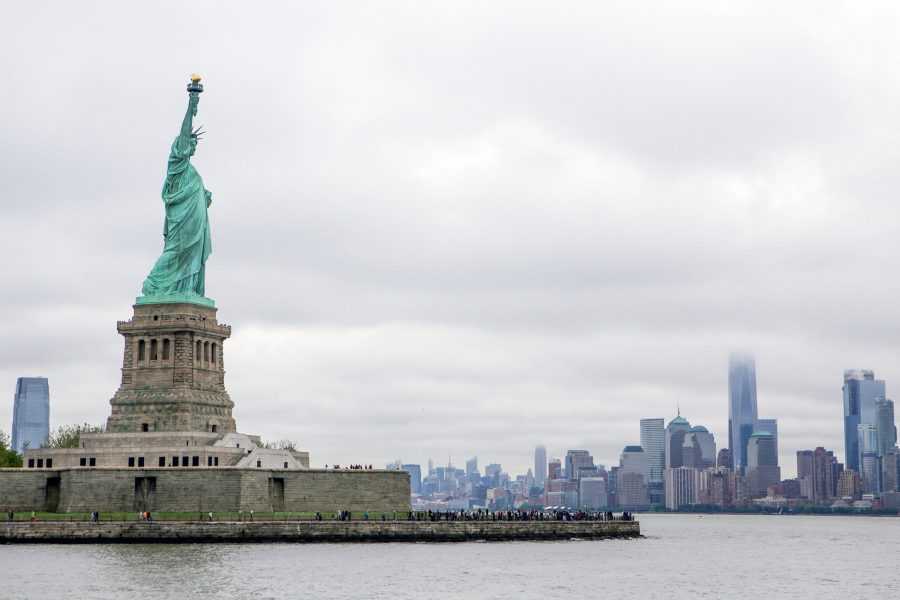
(180, 272)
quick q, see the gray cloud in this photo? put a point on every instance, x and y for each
(446, 229)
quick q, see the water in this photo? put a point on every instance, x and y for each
(683, 556)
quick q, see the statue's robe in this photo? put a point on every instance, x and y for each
(180, 269)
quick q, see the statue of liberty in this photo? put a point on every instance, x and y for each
(179, 273)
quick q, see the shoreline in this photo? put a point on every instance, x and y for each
(189, 532)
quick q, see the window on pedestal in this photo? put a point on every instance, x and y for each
(153, 349)
(205, 351)
(195, 461)
(212, 354)
(140, 461)
(198, 355)
(142, 350)
(166, 349)
(145, 427)
(162, 461)
(130, 461)
(82, 462)
(213, 428)
(92, 462)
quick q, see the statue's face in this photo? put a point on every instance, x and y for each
(193, 145)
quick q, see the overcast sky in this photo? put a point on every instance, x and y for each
(450, 229)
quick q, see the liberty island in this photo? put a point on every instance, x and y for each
(171, 445)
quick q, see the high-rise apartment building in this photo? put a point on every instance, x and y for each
(31, 413)
(742, 412)
(540, 465)
(682, 485)
(860, 390)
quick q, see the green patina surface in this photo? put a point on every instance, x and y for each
(179, 274)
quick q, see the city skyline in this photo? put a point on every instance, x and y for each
(459, 247)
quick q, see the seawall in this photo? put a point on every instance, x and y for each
(311, 531)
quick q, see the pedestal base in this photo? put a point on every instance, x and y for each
(181, 298)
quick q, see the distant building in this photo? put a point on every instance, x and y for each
(742, 413)
(575, 460)
(493, 470)
(890, 466)
(699, 448)
(723, 460)
(860, 389)
(682, 485)
(31, 413)
(592, 493)
(849, 486)
(554, 469)
(715, 489)
(540, 465)
(769, 426)
(675, 432)
(632, 490)
(472, 466)
(870, 461)
(653, 441)
(762, 463)
(415, 478)
(561, 492)
(818, 471)
(884, 423)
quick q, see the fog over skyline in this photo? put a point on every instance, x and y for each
(446, 229)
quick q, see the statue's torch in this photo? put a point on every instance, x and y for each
(195, 87)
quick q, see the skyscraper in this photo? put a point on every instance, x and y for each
(699, 448)
(31, 413)
(540, 465)
(742, 413)
(860, 391)
(675, 432)
(472, 466)
(415, 478)
(682, 485)
(768, 426)
(653, 441)
(762, 463)
(884, 422)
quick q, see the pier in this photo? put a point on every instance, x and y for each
(73, 532)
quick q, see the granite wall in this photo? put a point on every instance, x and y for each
(202, 489)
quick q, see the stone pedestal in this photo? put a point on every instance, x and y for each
(173, 375)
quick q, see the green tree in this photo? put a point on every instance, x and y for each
(69, 436)
(9, 458)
